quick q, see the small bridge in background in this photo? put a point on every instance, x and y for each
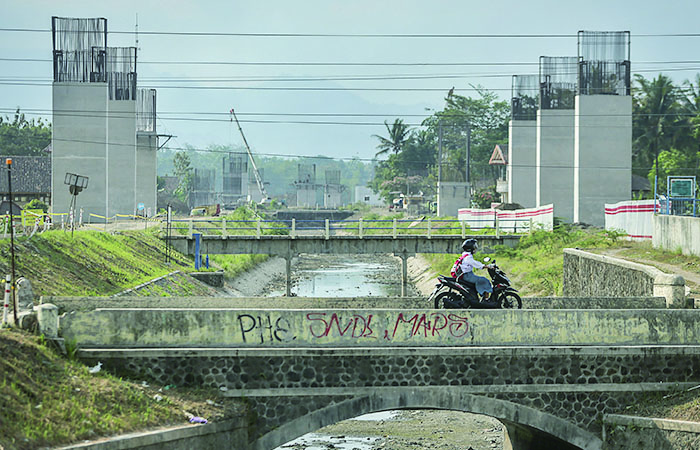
(402, 238)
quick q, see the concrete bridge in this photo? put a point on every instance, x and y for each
(548, 375)
(290, 246)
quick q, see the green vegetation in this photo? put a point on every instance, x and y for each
(89, 262)
(46, 399)
(666, 128)
(22, 137)
(412, 164)
(536, 265)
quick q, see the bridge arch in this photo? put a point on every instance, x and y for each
(515, 417)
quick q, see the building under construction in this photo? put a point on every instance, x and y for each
(235, 179)
(104, 128)
(306, 186)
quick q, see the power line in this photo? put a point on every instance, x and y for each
(357, 35)
(345, 63)
(293, 88)
(387, 77)
(123, 115)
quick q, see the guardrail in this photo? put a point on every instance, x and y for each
(361, 227)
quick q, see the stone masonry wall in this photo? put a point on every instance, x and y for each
(535, 378)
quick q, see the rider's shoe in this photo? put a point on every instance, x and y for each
(485, 297)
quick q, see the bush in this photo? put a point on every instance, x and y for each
(37, 204)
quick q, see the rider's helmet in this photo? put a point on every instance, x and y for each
(470, 245)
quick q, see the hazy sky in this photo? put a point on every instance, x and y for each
(198, 115)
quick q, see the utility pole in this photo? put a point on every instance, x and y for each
(469, 145)
(13, 285)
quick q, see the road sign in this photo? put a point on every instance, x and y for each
(682, 187)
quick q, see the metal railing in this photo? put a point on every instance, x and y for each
(361, 228)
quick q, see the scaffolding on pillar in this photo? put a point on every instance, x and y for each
(79, 47)
(121, 73)
(525, 97)
(604, 63)
(557, 82)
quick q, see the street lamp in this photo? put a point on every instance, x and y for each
(76, 184)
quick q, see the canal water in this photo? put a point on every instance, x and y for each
(344, 276)
(380, 275)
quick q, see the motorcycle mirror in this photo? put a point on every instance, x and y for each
(487, 259)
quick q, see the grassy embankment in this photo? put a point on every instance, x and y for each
(46, 399)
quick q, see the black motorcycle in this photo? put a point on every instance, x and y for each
(451, 294)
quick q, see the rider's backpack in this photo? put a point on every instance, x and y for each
(457, 267)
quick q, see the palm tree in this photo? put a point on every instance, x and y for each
(657, 108)
(398, 136)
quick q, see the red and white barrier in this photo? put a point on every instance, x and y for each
(634, 217)
(516, 220)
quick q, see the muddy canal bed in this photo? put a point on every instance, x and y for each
(404, 430)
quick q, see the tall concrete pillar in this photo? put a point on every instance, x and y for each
(555, 161)
(79, 144)
(121, 157)
(146, 169)
(602, 155)
(522, 162)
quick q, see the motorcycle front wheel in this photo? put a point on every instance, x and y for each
(442, 296)
(510, 300)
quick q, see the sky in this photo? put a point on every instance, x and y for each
(321, 108)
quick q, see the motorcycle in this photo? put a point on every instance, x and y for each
(451, 294)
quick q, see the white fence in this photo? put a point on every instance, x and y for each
(516, 220)
(634, 217)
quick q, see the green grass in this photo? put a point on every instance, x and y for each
(90, 262)
(535, 267)
(48, 400)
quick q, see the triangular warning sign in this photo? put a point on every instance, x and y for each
(497, 158)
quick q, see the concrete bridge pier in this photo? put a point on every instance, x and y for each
(288, 260)
(404, 271)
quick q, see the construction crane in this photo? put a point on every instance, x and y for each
(256, 173)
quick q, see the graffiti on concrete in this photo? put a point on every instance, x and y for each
(356, 326)
(421, 325)
(323, 325)
(264, 328)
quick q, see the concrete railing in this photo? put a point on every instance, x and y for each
(350, 328)
(67, 304)
(677, 233)
(590, 275)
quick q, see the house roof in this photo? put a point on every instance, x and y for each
(30, 175)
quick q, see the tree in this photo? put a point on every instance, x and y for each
(184, 172)
(484, 119)
(656, 112)
(398, 136)
(20, 137)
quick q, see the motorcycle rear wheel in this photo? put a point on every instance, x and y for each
(511, 300)
(442, 296)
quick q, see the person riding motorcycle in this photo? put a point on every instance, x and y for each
(463, 270)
